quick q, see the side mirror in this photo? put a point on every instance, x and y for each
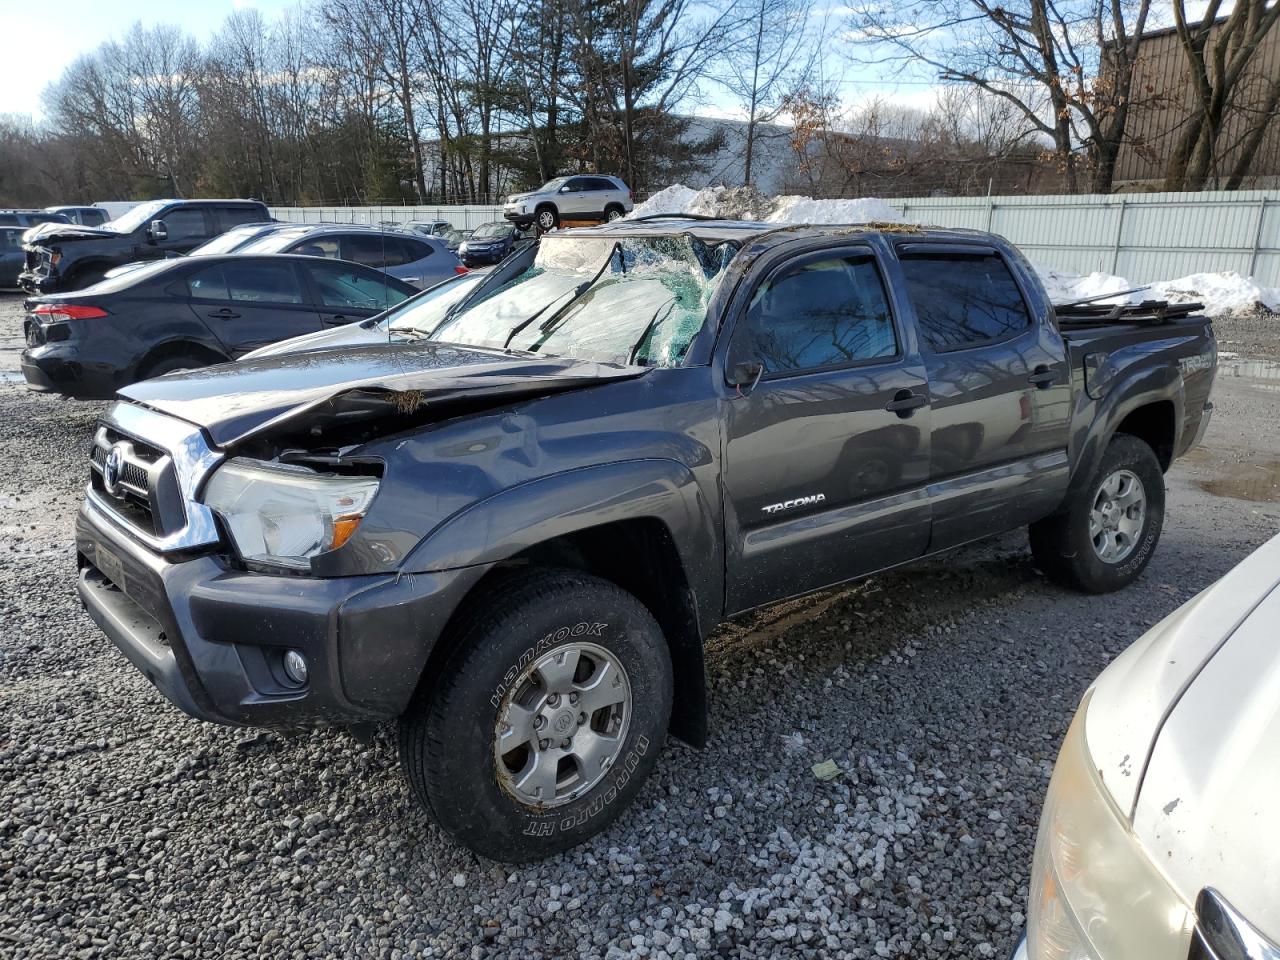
(157, 231)
(565, 188)
(744, 375)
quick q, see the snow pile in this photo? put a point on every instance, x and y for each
(747, 203)
(1220, 293)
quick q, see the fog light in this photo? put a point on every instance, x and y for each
(295, 667)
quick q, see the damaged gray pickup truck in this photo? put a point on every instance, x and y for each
(511, 526)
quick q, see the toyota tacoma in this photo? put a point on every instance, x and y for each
(511, 530)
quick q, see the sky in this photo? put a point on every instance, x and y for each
(41, 38)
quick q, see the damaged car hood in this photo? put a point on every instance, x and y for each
(234, 401)
(54, 232)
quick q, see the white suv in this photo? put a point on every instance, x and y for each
(584, 197)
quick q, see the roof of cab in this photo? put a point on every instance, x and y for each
(715, 231)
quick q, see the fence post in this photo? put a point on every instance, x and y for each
(991, 212)
(1257, 236)
(1115, 246)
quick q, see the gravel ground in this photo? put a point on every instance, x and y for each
(941, 691)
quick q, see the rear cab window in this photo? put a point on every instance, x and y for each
(963, 299)
(827, 310)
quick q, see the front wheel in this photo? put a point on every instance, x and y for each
(545, 718)
(1106, 534)
(547, 219)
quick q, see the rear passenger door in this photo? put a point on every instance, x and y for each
(252, 302)
(999, 382)
(347, 293)
(826, 460)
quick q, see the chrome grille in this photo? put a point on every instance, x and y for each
(144, 471)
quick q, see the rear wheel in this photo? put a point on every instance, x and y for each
(547, 219)
(1107, 533)
(545, 718)
(614, 212)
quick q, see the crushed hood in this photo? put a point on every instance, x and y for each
(234, 401)
(46, 233)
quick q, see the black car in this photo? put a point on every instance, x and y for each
(490, 243)
(10, 256)
(190, 312)
(30, 218)
(70, 257)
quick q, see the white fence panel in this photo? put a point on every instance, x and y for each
(1144, 237)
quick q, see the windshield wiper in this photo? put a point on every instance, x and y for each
(576, 291)
(649, 327)
(548, 325)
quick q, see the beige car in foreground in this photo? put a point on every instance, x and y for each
(1159, 836)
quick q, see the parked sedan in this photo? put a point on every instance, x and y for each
(11, 256)
(190, 312)
(228, 242)
(454, 239)
(416, 259)
(1159, 835)
(414, 319)
(490, 242)
(29, 218)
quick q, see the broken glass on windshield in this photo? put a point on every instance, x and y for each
(637, 300)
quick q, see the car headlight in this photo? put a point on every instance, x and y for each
(1095, 894)
(285, 514)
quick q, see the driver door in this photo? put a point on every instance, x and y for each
(826, 459)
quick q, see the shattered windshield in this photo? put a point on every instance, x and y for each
(635, 300)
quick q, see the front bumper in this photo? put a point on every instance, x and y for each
(483, 258)
(33, 282)
(212, 638)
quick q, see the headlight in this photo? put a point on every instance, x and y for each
(1095, 895)
(285, 515)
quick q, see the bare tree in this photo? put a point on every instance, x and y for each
(773, 53)
(1067, 66)
(1218, 58)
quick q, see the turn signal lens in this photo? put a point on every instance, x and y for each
(460, 270)
(55, 312)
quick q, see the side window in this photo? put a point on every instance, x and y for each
(208, 284)
(229, 217)
(11, 239)
(344, 286)
(600, 183)
(260, 282)
(318, 247)
(8, 218)
(822, 313)
(963, 300)
(371, 250)
(414, 250)
(579, 184)
(94, 218)
(185, 223)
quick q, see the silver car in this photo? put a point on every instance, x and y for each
(417, 259)
(583, 197)
(431, 228)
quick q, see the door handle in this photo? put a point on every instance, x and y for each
(1043, 377)
(336, 318)
(905, 403)
(223, 314)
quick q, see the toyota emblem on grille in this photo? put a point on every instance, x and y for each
(111, 469)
